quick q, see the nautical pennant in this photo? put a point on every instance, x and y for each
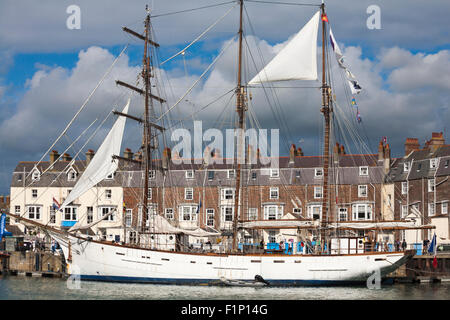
(55, 204)
(354, 102)
(358, 117)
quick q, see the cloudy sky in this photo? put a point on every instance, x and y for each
(48, 70)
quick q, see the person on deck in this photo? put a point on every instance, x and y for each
(404, 245)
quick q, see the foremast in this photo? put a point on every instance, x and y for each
(326, 110)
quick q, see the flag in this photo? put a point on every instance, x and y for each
(55, 204)
(432, 249)
(358, 117)
(324, 17)
(354, 102)
(355, 88)
(199, 206)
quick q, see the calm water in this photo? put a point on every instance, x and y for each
(21, 287)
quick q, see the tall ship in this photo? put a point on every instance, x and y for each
(153, 249)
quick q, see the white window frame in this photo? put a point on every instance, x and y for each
(318, 192)
(150, 194)
(152, 174)
(34, 212)
(227, 211)
(169, 213)
(254, 175)
(273, 212)
(364, 171)
(231, 174)
(90, 214)
(341, 212)
(274, 173)
(444, 207)
(406, 166)
(128, 217)
(404, 210)
(35, 175)
(431, 185)
(405, 187)
(297, 210)
(252, 213)
(367, 210)
(431, 209)
(52, 215)
(189, 174)
(227, 194)
(110, 176)
(318, 173)
(274, 193)
(71, 175)
(34, 193)
(210, 217)
(108, 194)
(188, 193)
(71, 212)
(272, 236)
(17, 210)
(362, 191)
(104, 210)
(433, 163)
(188, 213)
(311, 211)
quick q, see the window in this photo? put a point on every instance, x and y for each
(111, 176)
(210, 217)
(188, 193)
(71, 175)
(34, 212)
(315, 211)
(362, 212)
(318, 192)
(189, 174)
(446, 163)
(52, 215)
(152, 174)
(90, 214)
(404, 210)
(444, 207)
(19, 177)
(297, 210)
(419, 166)
(34, 193)
(36, 175)
(274, 173)
(343, 214)
(108, 194)
(431, 211)
(318, 173)
(17, 209)
(70, 213)
(150, 193)
(404, 187)
(188, 213)
(297, 174)
(272, 236)
(433, 163)
(210, 175)
(430, 185)
(362, 191)
(254, 175)
(227, 194)
(231, 174)
(364, 171)
(128, 217)
(168, 213)
(103, 211)
(252, 213)
(227, 213)
(406, 166)
(274, 193)
(272, 212)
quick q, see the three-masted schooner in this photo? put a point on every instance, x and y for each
(101, 260)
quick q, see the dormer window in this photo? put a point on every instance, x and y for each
(231, 174)
(274, 173)
(36, 175)
(152, 174)
(419, 166)
(433, 163)
(210, 175)
(71, 175)
(189, 174)
(318, 173)
(110, 176)
(364, 171)
(406, 166)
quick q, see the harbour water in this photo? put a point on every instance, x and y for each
(33, 288)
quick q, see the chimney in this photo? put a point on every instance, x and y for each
(336, 150)
(138, 156)
(128, 154)
(411, 144)
(7, 200)
(342, 151)
(437, 140)
(299, 152)
(380, 151)
(53, 156)
(66, 157)
(89, 155)
(387, 158)
(292, 154)
(167, 156)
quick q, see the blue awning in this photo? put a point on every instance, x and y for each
(68, 223)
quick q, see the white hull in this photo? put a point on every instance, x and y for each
(107, 262)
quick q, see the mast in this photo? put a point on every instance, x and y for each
(326, 110)
(240, 108)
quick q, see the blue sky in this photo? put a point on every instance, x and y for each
(404, 66)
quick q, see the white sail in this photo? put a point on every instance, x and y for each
(161, 225)
(297, 60)
(102, 164)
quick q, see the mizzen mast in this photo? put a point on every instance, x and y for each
(326, 110)
(240, 108)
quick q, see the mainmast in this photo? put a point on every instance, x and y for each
(240, 108)
(326, 110)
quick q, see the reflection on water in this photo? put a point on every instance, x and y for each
(20, 287)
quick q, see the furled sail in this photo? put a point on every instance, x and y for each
(102, 164)
(297, 60)
(161, 225)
